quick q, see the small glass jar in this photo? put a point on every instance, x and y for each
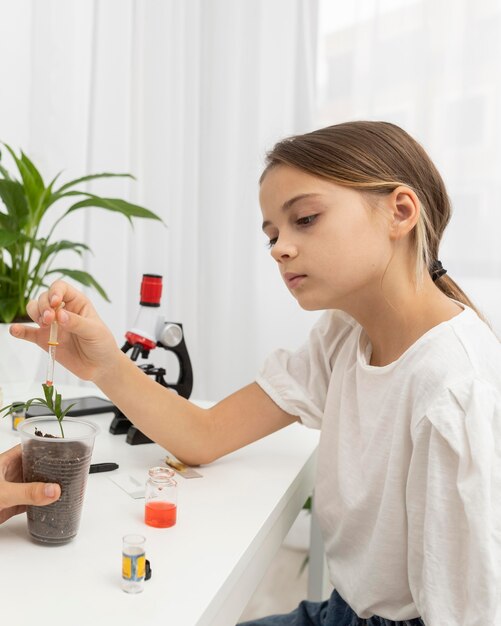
(133, 563)
(18, 414)
(160, 498)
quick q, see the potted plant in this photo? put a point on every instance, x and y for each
(27, 256)
(55, 454)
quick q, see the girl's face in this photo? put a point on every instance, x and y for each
(331, 247)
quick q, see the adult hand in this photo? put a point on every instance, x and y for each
(86, 346)
(14, 494)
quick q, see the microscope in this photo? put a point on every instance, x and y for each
(151, 331)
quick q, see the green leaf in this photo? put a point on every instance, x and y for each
(44, 202)
(7, 238)
(67, 409)
(64, 244)
(82, 277)
(14, 199)
(57, 406)
(34, 402)
(37, 178)
(84, 179)
(31, 178)
(21, 237)
(7, 410)
(115, 204)
(46, 251)
(7, 279)
(6, 222)
(21, 405)
(52, 182)
(4, 172)
(10, 408)
(48, 391)
(8, 308)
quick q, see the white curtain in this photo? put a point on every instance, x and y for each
(187, 95)
(432, 67)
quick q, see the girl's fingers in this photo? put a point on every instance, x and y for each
(62, 294)
(43, 310)
(37, 309)
(20, 331)
(77, 325)
(61, 291)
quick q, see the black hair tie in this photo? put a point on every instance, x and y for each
(437, 270)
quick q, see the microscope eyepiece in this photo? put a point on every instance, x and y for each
(151, 290)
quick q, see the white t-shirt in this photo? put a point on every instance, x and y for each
(408, 489)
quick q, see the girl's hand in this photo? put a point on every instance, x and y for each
(14, 494)
(86, 346)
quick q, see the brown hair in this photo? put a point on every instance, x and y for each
(378, 157)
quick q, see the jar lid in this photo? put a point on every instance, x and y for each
(161, 473)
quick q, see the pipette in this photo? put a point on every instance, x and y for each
(53, 343)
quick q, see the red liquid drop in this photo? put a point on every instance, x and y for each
(160, 514)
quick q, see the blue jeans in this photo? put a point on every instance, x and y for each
(332, 612)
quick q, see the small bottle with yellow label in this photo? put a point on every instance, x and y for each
(18, 414)
(133, 563)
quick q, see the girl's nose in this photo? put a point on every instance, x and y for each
(283, 250)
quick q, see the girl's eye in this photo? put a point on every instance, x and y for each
(272, 242)
(306, 221)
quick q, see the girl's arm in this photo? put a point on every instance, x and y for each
(88, 349)
(194, 435)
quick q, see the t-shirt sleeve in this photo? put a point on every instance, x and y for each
(298, 381)
(454, 508)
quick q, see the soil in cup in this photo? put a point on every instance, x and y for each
(68, 465)
(160, 514)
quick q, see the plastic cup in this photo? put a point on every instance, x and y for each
(57, 460)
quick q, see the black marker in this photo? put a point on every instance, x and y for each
(102, 467)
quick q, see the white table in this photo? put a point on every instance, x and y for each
(230, 524)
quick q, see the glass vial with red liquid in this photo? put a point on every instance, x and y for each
(160, 508)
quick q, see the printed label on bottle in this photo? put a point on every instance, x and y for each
(133, 566)
(16, 420)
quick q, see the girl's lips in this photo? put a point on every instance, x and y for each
(293, 280)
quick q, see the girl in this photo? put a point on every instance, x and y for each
(400, 374)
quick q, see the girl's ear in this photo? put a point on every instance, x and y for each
(405, 208)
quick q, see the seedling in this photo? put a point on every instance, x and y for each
(52, 401)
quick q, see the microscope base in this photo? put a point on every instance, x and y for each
(135, 437)
(120, 424)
